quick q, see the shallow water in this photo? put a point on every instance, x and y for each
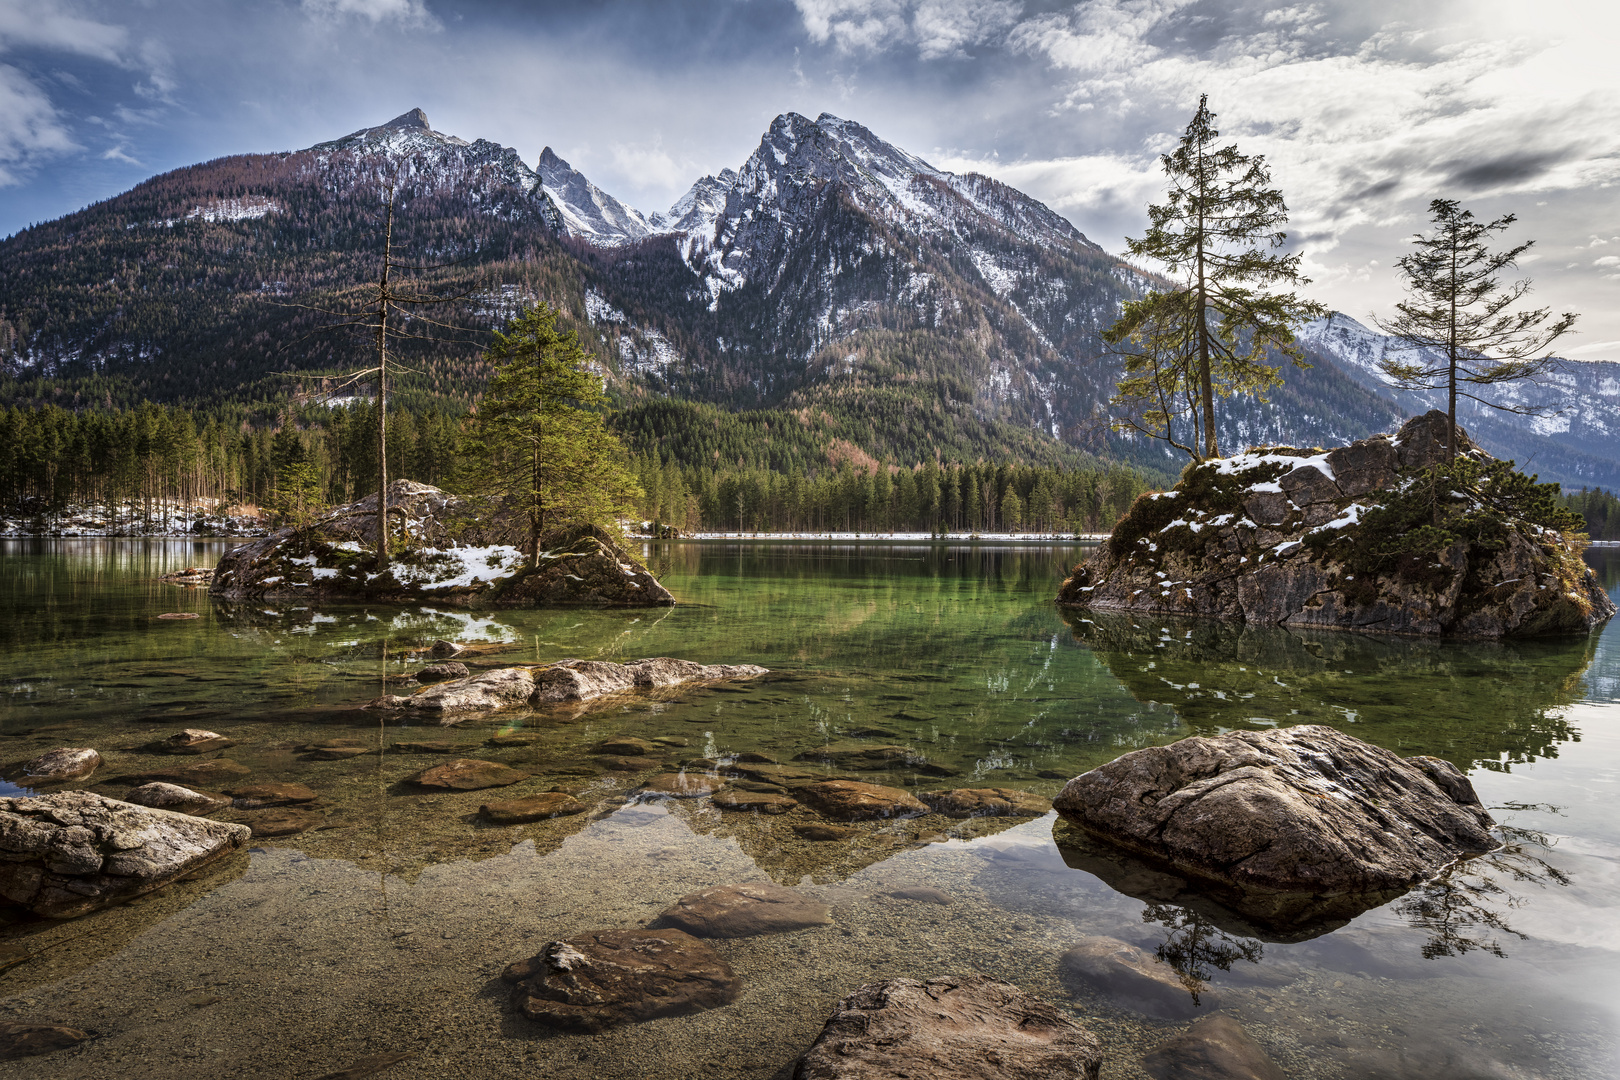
(386, 928)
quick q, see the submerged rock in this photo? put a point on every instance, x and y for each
(744, 911)
(283, 821)
(1274, 822)
(440, 672)
(192, 741)
(20, 1040)
(59, 765)
(547, 804)
(986, 802)
(1214, 1048)
(682, 785)
(181, 800)
(1284, 536)
(467, 774)
(969, 1027)
(850, 800)
(73, 852)
(197, 774)
(453, 555)
(765, 802)
(610, 977)
(565, 681)
(269, 793)
(1133, 979)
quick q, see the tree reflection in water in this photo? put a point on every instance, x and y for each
(1464, 908)
(1194, 947)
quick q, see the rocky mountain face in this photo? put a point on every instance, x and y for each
(832, 274)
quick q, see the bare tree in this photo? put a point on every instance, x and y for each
(376, 308)
(1456, 316)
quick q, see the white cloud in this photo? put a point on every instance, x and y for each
(404, 12)
(52, 26)
(30, 126)
(938, 28)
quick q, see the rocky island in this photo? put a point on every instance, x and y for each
(449, 556)
(1385, 535)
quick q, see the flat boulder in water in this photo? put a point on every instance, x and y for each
(1214, 1048)
(611, 977)
(851, 800)
(196, 774)
(74, 852)
(181, 800)
(192, 741)
(59, 765)
(744, 911)
(1275, 819)
(986, 802)
(20, 1040)
(967, 1027)
(1133, 979)
(547, 804)
(563, 682)
(467, 774)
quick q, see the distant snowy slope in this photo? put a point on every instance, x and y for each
(1577, 442)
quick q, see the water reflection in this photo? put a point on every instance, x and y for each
(1477, 704)
(1195, 948)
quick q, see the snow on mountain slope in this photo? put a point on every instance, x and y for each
(588, 211)
(1576, 440)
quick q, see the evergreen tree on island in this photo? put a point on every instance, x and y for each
(1219, 230)
(537, 443)
(1456, 317)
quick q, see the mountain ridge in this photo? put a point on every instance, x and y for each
(831, 273)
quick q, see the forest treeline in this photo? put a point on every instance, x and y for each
(153, 458)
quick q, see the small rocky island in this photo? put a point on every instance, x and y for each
(1384, 535)
(449, 555)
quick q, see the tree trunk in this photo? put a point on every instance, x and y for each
(382, 390)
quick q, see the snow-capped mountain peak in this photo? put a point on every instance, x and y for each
(407, 132)
(588, 211)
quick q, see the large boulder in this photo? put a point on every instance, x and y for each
(967, 1027)
(563, 682)
(1310, 538)
(74, 852)
(1274, 823)
(59, 765)
(610, 977)
(851, 800)
(450, 552)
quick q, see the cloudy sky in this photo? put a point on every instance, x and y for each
(1367, 109)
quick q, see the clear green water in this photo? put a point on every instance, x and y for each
(384, 929)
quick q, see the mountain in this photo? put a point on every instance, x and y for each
(1575, 440)
(888, 308)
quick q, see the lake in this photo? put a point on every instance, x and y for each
(386, 927)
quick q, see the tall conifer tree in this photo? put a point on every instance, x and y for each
(1218, 230)
(1456, 315)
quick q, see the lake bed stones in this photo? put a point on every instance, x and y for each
(850, 800)
(192, 741)
(821, 833)
(967, 1027)
(1277, 821)
(1133, 979)
(60, 765)
(180, 800)
(744, 911)
(611, 977)
(986, 802)
(467, 774)
(269, 793)
(432, 746)
(1214, 1048)
(763, 802)
(624, 746)
(74, 852)
(540, 807)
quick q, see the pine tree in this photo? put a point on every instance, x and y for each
(1219, 230)
(1456, 316)
(537, 444)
